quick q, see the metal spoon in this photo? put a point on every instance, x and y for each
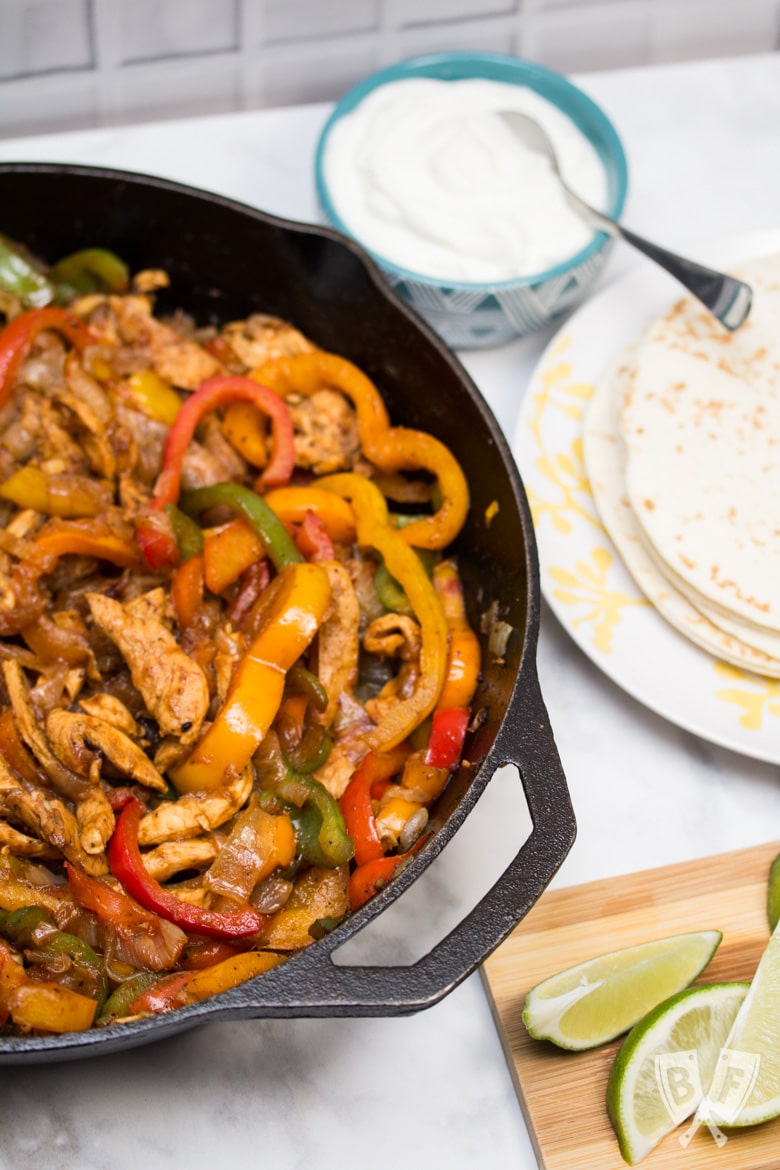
(726, 298)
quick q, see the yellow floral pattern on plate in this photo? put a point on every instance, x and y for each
(586, 588)
(756, 695)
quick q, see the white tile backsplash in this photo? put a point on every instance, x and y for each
(157, 29)
(67, 63)
(42, 36)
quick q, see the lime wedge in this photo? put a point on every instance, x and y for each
(747, 1089)
(597, 1000)
(665, 1063)
(773, 894)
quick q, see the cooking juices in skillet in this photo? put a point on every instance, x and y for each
(236, 667)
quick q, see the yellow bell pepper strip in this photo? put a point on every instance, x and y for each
(464, 656)
(293, 607)
(154, 396)
(245, 428)
(63, 495)
(230, 551)
(390, 448)
(18, 336)
(277, 542)
(127, 864)
(291, 504)
(374, 530)
(423, 778)
(49, 1007)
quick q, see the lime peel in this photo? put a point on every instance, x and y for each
(597, 1000)
(695, 1020)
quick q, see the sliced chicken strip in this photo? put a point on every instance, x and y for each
(338, 640)
(95, 819)
(111, 710)
(24, 846)
(80, 740)
(260, 338)
(63, 780)
(174, 857)
(174, 357)
(47, 817)
(174, 688)
(394, 636)
(195, 813)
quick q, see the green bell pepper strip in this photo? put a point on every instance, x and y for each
(22, 279)
(312, 751)
(89, 270)
(83, 957)
(302, 681)
(118, 1003)
(277, 541)
(19, 926)
(189, 537)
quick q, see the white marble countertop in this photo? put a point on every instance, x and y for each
(703, 145)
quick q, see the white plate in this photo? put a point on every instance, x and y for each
(582, 575)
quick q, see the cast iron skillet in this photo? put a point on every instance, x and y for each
(227, 260)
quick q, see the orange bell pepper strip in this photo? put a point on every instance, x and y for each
(50, 1007)
(374, 530)
(292, 609)
(87, 538)
(228, 552)
(464, 658)
(244, 427)
(390, 448)
(17, 338)
(190, 986)
(291, 504)
(187, 591)
(369, 879)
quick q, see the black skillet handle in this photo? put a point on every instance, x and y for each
(314, 985)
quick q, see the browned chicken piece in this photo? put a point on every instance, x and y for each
(21, 435)
(173, 687)
(195, 813)
(24, 846)
(91, 432)
(82, 741)
(261, 338)
(338, 641)
(174, 857)
(62, 779)
(326, 434)
(7, 595)
(174, 357)
(55, 442)
(336, 773)
(48, 818)
(24, 524)
(394, 636)
(396, 690)
(171, 752)
(150, 279)
(95, 820)
(111, 710)
(154, 604)
(201, 467)
(230, 646)
(86, 389)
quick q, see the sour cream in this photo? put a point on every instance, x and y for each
(425, 174)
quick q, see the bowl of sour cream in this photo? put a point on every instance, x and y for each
(470, 226)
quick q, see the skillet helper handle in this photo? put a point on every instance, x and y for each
(319, 987)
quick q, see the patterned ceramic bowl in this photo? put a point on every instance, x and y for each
(468, 315)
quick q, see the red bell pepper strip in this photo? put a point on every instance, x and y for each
(448, 731)
(215, 392)
(17, 338)
(127, 865)
(356, 807)
(162, 995)
(312, 539)
(370, 878)
(187, 591)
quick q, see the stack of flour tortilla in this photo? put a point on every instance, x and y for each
(682, 450)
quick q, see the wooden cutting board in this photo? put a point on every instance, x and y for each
(562, 1094)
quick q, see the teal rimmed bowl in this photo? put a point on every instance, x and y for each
(475, 315)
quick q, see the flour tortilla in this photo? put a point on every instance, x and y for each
(605, 464)
(700, 421)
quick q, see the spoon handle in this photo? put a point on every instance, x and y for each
(727, 298)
